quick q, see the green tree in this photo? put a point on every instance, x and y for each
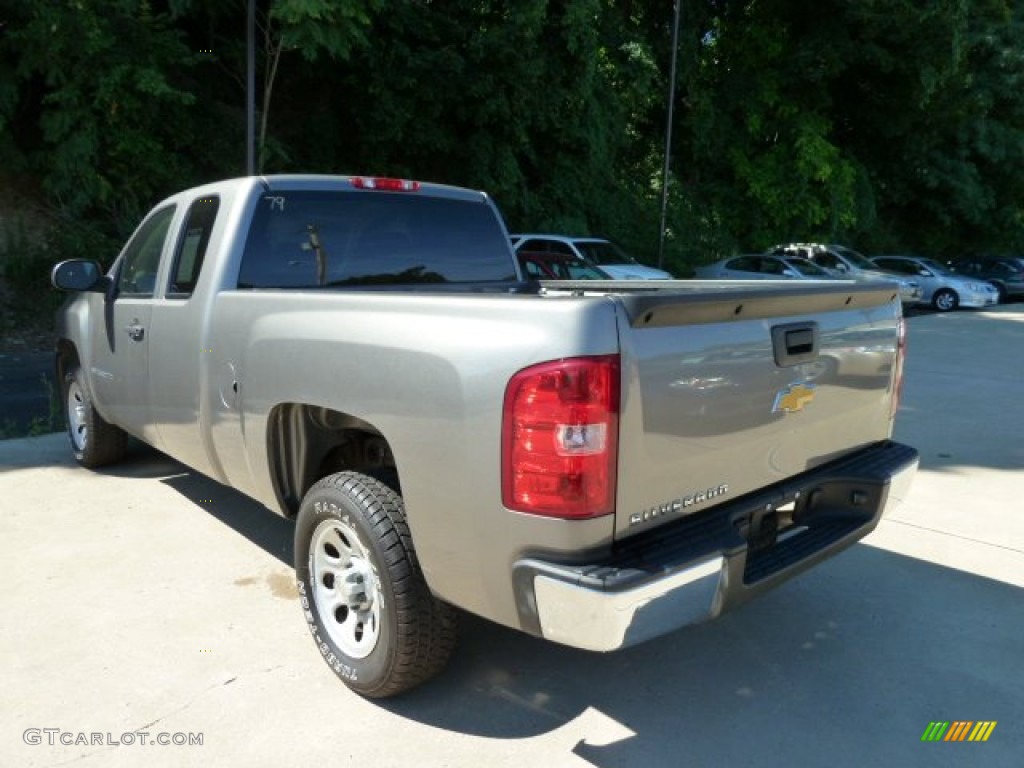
(97, 81)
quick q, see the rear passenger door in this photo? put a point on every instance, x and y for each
(180, 355)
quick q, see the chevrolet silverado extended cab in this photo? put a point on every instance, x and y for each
(595, 463)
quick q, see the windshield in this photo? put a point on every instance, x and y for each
(858, 260)
(603, 252)
(807, 268)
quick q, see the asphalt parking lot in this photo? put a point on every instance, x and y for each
(148, 599)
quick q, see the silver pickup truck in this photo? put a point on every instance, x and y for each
(594, 463)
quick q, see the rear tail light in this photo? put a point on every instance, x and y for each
(897, 375)
(385, 184)
(560, 430)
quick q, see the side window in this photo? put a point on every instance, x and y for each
(902, 267)
(826, 259)
(745, 264)
(557, 246)
(195, 237)
(142, 256)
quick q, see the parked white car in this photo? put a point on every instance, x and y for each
(618, 264)
(941, 288)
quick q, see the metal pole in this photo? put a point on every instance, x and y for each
(250, 90)
(668, 134)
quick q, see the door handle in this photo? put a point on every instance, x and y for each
(795, 343)
(135, 332)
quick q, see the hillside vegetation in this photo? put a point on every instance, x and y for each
(895, 125)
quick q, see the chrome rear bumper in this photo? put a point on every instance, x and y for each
(693, 570)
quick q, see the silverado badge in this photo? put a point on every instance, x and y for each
(793, 398)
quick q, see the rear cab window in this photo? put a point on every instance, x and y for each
(369, 239)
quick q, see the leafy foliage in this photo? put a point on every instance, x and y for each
(895, 125)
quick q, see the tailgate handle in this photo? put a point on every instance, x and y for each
(795, 343)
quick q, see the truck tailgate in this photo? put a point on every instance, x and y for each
(730, 387)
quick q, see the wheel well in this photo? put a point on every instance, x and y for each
(67, 358)
(306, 443)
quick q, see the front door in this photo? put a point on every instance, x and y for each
(120, 354)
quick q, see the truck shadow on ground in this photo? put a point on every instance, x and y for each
(267, 530)
(852, 659)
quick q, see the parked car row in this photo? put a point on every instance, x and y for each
(847, 263)
(975, 282)
(921, 280)
(792, 263)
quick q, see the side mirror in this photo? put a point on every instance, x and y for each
(841, 267)
(924, 272)
(78, 275)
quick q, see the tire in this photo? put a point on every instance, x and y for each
(385, 633)
(1001, 289)
(945, 300)
(94, 441)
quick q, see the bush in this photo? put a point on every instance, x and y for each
(29, 247)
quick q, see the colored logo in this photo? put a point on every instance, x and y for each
(959, 730)
(793, 398)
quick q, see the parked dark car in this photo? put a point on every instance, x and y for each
(1006, 273)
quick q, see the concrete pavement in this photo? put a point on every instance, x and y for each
(145, 598)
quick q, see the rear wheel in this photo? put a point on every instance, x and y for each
(945, 300)
(371, 614)
(94, 441)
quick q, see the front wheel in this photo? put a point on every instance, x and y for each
(371, 614)
(94, 441)
(945, 300)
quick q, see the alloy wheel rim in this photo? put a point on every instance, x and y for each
(346, 589)
(77, 426)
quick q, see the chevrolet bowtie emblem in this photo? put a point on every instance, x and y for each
(793, 398)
